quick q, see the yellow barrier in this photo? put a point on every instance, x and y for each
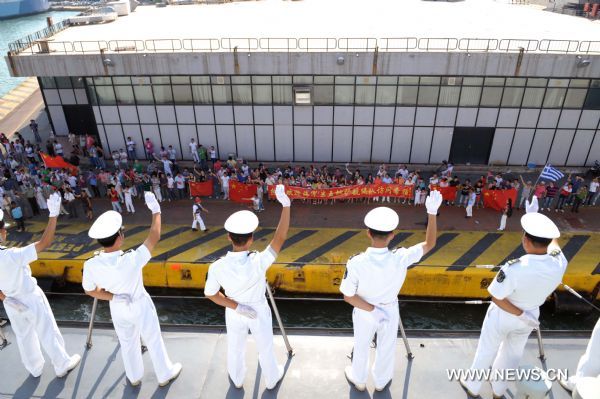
(421, 281)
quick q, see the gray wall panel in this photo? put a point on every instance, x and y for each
(361, 151)
(264, 143)
(501, 146)
(401, 144)
(541, 146)
(58, 120)
(560, 146)
(245, 141)
(421, 144)
(303, 143)
(322, 145)
(342, 140)
(226, 137)
(284, 136)
(166, 114)
(442, 140)
(170, 136)
(128, 114)
(243, 114)
(405, 116)
(382, 144)
(323, 115)
(185, 114)
(204, 114)
(520, 148)
(581, 146)
(186, 133)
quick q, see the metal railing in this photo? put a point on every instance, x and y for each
(40, 43)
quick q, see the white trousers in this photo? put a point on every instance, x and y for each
(34, 326)
(262, 331)
(589, 364)
(503, 222)
(469, 210)
(132, 322)
(198, 221)
(195, 156)
(501, 344)
(129, 205)
(365, 328)
(158, 194)
(225, 192)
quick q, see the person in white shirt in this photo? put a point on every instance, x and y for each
(116, 157)
(180, 184)
(58, 148)
(197, 208)
(371, 284)
(242, 275)
(194, 150)
(26, 305)
(172, 153)
(123, 158)
(592, 193)
(213, 155)
(70, 200)
(130, 148)
(519, 289)
(225, 185)
(128, 194)
(116, 276)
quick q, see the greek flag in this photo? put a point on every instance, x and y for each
(551, 173)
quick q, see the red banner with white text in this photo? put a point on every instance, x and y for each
(496, 199)
(201, 189)
(238, 191)
(348, 192)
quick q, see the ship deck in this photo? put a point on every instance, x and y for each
(315, 371)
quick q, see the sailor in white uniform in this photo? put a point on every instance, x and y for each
(116, 276)
(242, 274)
(589, 363)
(371, 284)
(197, 208)
(26, 305)
(519, 289)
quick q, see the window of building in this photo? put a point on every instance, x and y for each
(554, 97)
(121, 80)
(428, 95)
(512, 96)
(182, 94)
(575, 98)
(491, 96)
(533, 97)
(261, 94)
(162, 94)
(124, 95)
(48, 82)
(449, 96)
(494, 82)
(303, 80)
(143, 94)
(408, 80)
(365, 95)
(242, 94)
(302, 95)
(407, 95)
(344, 94)
(63, 82)
(282, 94)
(106, 95)
(386, 95)
(469, 96)
(202, 94)
(221, 93)
(77, 82)
(323, 94)
(180, 80)
(592, 101)
(323, 80)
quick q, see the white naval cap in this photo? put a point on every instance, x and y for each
(382, 219)
(539, 225)
(241, 222)
(106, 225)
(1, 215)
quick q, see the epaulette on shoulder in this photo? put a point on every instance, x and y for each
(395, 249)
(96, 253)
(252, 252)
(2, 248)
(512, 261)
(555, 252)
(127, 252)
(356, 254)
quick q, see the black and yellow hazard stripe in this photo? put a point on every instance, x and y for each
(312, 261)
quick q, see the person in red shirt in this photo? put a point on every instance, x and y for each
(217, 165)
(114, 200)
(149, 146)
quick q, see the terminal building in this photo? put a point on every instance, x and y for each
(474, 82)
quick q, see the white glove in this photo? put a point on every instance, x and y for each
(433, 202)
(246, 311)
(529, 319)
(54, 204)
(16, 304)
(379, 315)
(122, 298)
(282, 196)
(151, 202)
(532, 207)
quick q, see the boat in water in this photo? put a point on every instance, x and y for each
(18, 8)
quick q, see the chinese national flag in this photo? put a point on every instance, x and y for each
(57, 162)
(201, 189)
(496, 199)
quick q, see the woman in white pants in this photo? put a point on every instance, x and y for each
(506, 213)
(470, 202)
(197, 208)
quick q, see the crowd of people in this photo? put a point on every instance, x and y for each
(121, 178)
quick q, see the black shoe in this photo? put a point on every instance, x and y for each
(193, 229)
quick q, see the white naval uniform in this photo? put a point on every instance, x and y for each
(243, 277)
(589, 363)
(121, 273)
(376, 276)
(526, 283)
(197, 217)
(36, 324)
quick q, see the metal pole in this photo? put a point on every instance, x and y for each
(88, 342)
(540, 344)
(276, 311)
(409, 354)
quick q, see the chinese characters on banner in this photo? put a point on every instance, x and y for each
(364, 191)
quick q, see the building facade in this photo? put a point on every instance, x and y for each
(417, 119)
